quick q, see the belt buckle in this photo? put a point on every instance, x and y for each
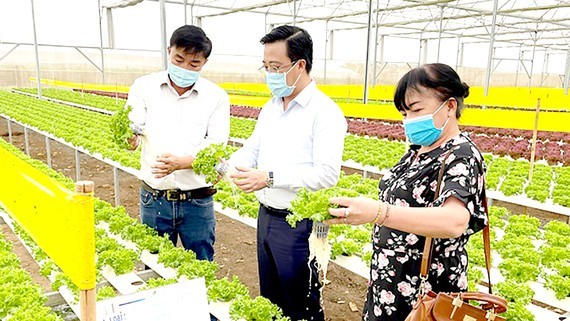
(172, 195)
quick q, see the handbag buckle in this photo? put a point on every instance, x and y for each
(457, 303)
(490, 316)
(423, 285)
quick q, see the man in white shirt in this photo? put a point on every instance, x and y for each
(297, 142)
(177, 113)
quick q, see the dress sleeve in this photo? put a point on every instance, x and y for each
(463, 179)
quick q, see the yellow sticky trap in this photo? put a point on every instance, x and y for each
(59, 221)
(83, 86)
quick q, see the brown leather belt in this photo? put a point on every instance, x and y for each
(179, 195)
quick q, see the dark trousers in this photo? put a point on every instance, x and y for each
(284, 274)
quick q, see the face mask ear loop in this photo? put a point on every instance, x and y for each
(437, 111)
(296, 81)
(445, 124)
(298, 77)
(440, 107)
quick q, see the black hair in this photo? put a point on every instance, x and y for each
(192, 39)
(299, 43)
(439, 77)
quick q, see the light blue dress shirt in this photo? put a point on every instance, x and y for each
(302, 145)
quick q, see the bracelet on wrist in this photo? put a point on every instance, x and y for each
(384, 214)
(378, 214)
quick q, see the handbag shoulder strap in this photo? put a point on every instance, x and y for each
(426, 257)
(487, 241)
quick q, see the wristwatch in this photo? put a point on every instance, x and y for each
(269, 181)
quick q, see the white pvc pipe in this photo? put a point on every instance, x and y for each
(36, 52)
(491, 43)
(163, 34)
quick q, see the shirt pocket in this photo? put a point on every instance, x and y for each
(194, 131)
(193, 122)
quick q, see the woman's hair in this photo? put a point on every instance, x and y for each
(441, 78)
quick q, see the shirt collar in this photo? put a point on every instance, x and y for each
(165, 80)
(303, 97)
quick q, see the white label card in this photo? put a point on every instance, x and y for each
(182, 301)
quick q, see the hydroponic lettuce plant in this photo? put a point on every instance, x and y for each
(348, 240)
(346, 247)
(157, 282)
(563, 268)
(197, 269)
(174, 256)
(121, 260)
(33, 313)
(518, 312)
(208, 157)
(102, 102)
(105, 292)
(515, 292)
(226, 290)
(553, 254)
(557, 233)
(559, 284)
(21, 298)
(315, 205)
(120, 127)
(258, 309)
(517, 271)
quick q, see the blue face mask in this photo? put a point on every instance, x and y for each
(182, 77)
(277, 83)
(422, 131)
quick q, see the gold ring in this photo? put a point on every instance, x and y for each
(345, 221)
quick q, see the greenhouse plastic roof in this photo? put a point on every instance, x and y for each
(544, 23)
(119, 3)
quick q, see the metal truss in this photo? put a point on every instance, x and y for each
(526, 24)
(529, 25)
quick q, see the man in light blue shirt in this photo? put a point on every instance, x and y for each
(297, 142)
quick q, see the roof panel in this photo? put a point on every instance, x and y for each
(518, 21)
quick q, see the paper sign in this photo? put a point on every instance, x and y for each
(182, 301)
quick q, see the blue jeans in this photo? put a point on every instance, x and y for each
(193, 220)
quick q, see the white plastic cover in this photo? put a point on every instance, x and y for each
(119, 3)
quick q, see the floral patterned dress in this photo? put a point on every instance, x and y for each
(396, 258)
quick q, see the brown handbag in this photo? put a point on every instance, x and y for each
(432, 306)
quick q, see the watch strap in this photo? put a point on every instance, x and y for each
(269, 181)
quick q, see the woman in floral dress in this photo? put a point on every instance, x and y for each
(430, 98)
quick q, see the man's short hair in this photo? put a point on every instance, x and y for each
(298, 40)
(192, 39)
